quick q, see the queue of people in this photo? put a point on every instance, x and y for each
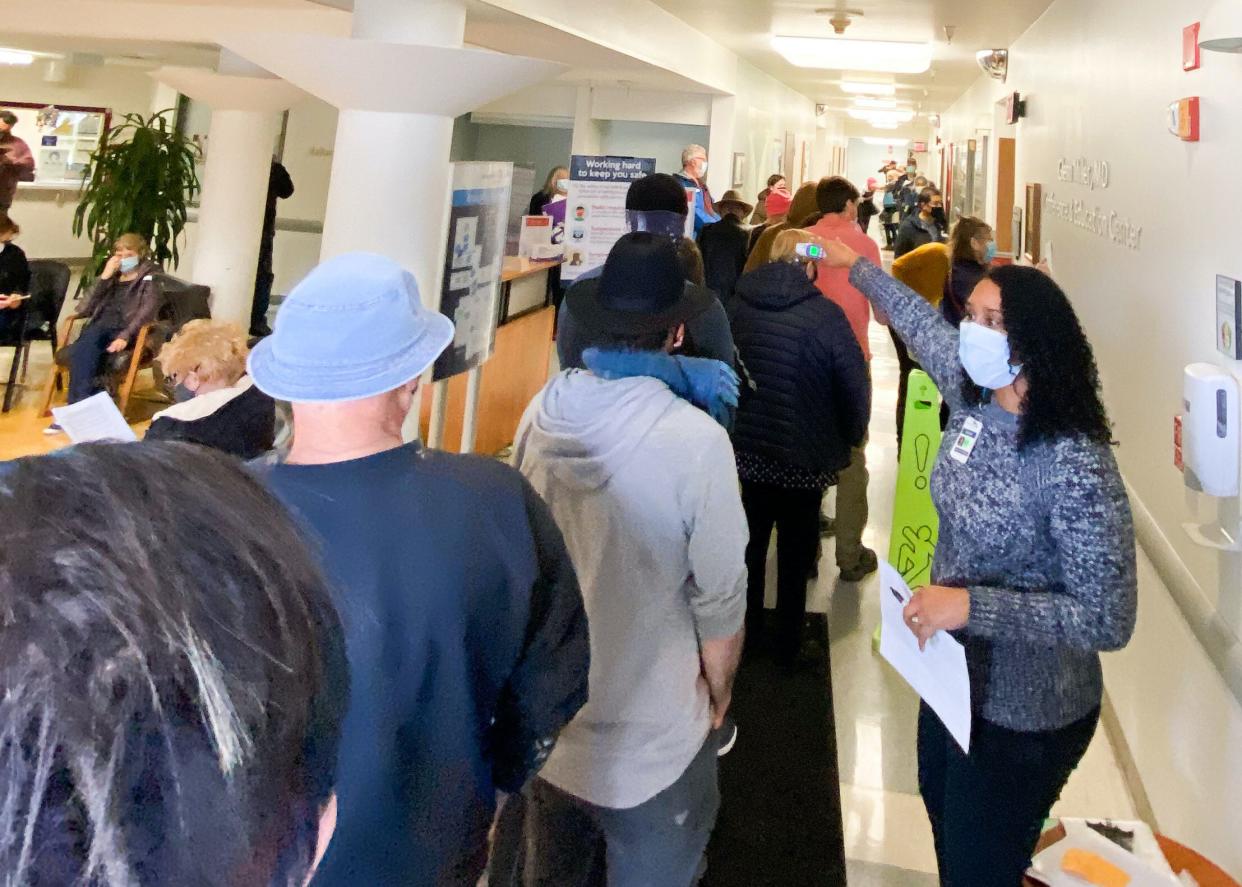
(350, 661)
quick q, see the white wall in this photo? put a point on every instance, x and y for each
(765, 111)
(46, 216)
(309, 140)
(864, 161)
(663, 141)
(1097, 75)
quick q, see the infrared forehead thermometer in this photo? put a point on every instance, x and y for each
(811, 251)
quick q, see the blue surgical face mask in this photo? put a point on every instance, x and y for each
(990, 253)
(129, 263)
(181, 394)
(562, 185)
(985, 357)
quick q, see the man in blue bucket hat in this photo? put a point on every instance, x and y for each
(464, 623)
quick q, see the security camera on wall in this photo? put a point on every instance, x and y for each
(994, 62)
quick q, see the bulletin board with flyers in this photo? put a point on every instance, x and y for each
(62, 138)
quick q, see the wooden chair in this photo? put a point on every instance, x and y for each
(122, 371)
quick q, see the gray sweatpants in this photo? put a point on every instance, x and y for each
(660, 843)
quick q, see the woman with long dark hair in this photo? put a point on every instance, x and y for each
(972, 250)
(1034, 571)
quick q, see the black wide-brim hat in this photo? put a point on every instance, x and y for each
(643, 289)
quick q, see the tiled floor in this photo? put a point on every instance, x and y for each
(888, 840)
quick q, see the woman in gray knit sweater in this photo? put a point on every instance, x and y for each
(1034, 571)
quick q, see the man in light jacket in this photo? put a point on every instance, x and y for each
(644, 487)
(694, 175)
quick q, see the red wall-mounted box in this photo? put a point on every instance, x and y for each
(1184, 119)
(1190, 47)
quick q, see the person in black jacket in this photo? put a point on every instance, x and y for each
(925, 226)
(867, 207)
(218, 406)
(279, 187)
(724, 245)
(556, 183)
(795, 430)
(14, 277)
(972, 250)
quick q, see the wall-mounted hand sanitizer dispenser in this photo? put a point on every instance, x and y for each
(1210, 430)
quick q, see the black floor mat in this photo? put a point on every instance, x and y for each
(780, 820)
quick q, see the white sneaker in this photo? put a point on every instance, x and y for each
(726, 737)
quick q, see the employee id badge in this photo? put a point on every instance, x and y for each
(966, 440)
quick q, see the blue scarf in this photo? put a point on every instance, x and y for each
(710, 385)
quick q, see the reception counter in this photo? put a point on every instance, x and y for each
(517, 369)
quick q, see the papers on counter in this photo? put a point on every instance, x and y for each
(937, 673)
(93, 419)
(1145, 867)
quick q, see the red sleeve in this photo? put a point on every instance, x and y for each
(20, 156)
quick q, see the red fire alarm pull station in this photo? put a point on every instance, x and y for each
(1178, 461)
(1190, 47)
(1184, 119)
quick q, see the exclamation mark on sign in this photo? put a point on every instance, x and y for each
(922, 449)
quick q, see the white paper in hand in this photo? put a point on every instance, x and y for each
(938, 673)
(92, 419)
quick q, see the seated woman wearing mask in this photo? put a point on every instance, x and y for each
(1035, 568)
(14, 278)
(125, 298)
(218, 406)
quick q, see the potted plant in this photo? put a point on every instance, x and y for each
(143, 179)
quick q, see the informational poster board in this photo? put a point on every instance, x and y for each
(474, 255)
(595, 208)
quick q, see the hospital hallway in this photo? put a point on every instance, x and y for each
(776, 824)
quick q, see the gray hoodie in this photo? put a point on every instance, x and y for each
(644, 487)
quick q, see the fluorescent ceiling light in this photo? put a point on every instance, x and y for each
(876, 104)
(882, 116)
(857, 87)
(16, 57)
(883, 125)
(885, 142)
(855, 55)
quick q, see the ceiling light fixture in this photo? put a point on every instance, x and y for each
(885, 142)
(883, 125)
(857, 87)
(840, 53)
(882, 116)
(16, 57)
(876, 104)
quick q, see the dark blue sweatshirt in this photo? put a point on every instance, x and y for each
(467, 646)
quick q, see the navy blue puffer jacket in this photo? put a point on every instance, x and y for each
(813, 396)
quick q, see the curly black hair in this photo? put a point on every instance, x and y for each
(1045, 337)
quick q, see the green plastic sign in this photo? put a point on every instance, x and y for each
(916, 525)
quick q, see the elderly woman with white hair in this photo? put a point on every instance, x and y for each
(218, 406)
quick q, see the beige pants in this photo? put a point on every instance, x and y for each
(851, 517)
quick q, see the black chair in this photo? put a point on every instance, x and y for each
(14, 336)
(49, 283)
